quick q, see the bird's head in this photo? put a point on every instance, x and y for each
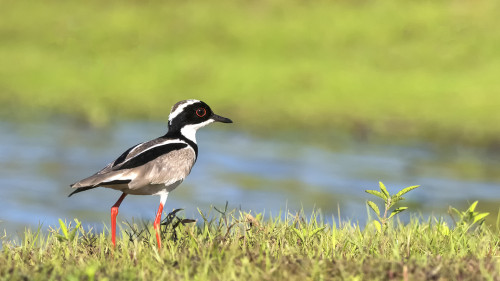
(188, 116)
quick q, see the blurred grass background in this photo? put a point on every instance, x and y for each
(396, 68)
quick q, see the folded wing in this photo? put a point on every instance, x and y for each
(155, 162)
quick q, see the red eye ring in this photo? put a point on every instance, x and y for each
(201, 112)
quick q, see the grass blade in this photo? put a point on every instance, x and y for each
(383, 189)
(376, 193)
(480, 217)
(472, 207)
(378, 226)
(406, 190)
(374, 207)
(63, 228)
(299, 234)
(314, 232)
(397, 211)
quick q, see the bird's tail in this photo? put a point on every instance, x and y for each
(80, 189)
(96, 180)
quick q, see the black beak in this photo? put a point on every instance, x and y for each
(218, 118)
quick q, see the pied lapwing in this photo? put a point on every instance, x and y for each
(158, 166)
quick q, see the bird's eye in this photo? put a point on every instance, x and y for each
(201, 112)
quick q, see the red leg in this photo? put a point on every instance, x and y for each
(157, 225)
(157, 222)
(114, 213)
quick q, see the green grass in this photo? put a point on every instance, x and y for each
(239, 246)
(426, 69)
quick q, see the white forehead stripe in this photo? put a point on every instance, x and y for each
(180, 108)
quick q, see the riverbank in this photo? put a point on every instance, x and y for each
(235, 246)
(430, 74)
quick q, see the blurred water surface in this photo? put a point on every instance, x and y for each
(38, 161)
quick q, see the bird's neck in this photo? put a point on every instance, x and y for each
(189, 130)
(185, 135)
(186, 131)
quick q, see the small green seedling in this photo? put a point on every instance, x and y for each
(67, 236)
(305, 234)
(468, 218)
(389, 201)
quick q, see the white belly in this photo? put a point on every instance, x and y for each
(151, 189)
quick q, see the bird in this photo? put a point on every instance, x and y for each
(158, 166)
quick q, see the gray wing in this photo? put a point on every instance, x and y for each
(166, 169)
(154, 162)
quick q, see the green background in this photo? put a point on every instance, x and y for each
(417, 69)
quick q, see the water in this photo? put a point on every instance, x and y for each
(38, 161)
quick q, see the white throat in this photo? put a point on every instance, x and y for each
(189, 131)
